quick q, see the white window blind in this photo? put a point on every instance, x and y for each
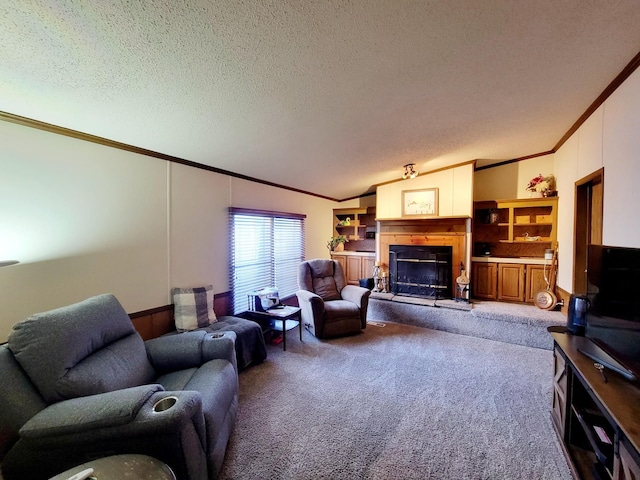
(266, 249)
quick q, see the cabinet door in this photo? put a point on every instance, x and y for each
(367, 267)
(535, 281)
(559, 408)
(484, 278)
(340, 260)
(354, 269)
(511, 282)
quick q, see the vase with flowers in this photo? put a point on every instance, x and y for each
(542, 186)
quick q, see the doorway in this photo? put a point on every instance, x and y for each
(587, 225)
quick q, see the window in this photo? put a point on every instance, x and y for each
(266, 249)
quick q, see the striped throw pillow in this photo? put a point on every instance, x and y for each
(193, 307)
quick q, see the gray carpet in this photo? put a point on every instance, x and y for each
(512, 323)
(396, 402)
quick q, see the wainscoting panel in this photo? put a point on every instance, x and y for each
(158, 321)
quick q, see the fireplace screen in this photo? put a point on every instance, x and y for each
(420, 271)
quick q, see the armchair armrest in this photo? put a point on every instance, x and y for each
(113, 416)
(307, 296)
(311, 310)
(355, 294)
(359, 296)
(81, 414)
(119, 422)
(191, 349)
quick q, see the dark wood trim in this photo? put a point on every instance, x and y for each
(585, 218)
(612, 87)
(151, 311)
(29, 122)
(155, 322)
(425, 173)
(596, 175)
(223, 303)
(367, 194)
(514, 160)
(267, 213)
(606, 93)
(67, 132)
(563, 297)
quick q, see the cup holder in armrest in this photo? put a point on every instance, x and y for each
(164, 404)
(216, 335)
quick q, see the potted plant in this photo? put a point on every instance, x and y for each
(335, 242)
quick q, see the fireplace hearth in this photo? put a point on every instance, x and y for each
(421, 271)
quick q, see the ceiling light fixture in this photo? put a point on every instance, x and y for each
(409, 171)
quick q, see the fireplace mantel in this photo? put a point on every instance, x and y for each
(449, 231)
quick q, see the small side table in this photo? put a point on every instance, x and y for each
(117, 467)
(280, 319)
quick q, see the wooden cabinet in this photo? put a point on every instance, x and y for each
(535, 282)
(515, 228)
(353, 273)
(511, 282)
(597, 421)
(355, 266)
(358, 225)
(559, 406)
(367, 267)
(484, 277)
(341, 259)
(520, 230)
(627, 467)
(354, 223)
(506, 281)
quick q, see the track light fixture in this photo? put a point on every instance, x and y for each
(409, 171)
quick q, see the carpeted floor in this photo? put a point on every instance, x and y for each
(396, 402)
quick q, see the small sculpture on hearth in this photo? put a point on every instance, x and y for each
(377, 282)
(385, 282)
(463, 285)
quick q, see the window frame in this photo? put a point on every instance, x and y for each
(278, 223)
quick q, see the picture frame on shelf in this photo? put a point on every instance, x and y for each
(422, 202)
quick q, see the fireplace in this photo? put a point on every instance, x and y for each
(421, 270)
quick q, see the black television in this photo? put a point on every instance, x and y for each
(613, 316)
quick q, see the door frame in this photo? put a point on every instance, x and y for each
(587, 224)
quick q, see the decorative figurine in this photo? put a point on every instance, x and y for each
(463, 285)
(376, 278)
(385, 282)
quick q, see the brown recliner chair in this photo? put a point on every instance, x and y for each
(330, 307)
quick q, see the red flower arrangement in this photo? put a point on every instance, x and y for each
(542, 184)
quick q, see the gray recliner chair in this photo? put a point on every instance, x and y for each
(79, 383)
(330, 307)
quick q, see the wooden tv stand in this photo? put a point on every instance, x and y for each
(598, 422)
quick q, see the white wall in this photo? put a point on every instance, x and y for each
(455, 193)
(85, 219)
(510, 181)
(621, 161)
(609, 138)
(566, 174)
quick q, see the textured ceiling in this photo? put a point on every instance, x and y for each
(330, 97)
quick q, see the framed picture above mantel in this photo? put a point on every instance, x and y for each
(420, 203)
